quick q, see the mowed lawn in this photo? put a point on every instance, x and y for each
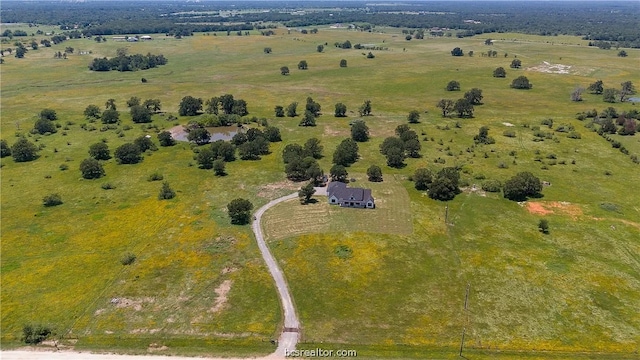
(392, 214)
(384, 281)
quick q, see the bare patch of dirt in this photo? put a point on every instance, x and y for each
(474, 189)
(549, 68)
(228, 270)
(507, 124)
(153, 347)
(328, 131)
(222, 290)
(271, 191)
(136, 304)
(551, 207)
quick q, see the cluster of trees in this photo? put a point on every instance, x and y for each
(22, 150)
(311, 112)
(226, 105)
(131, 153)
(124, 62)
(444, 185)
(521, 186)
(45, 123)
(397, 148)
(301, 161)
(254, 143)
(215, 156)
(611, 95)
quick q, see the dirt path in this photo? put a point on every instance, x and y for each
(290, 336)
(73, 355)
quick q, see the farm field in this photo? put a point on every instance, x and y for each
(391, 284)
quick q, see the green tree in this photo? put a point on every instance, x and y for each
(390, 143)
(596, 87)
(302, 65)
(43, 126)
(463, 108)
(291, 109)
(99, 151)
(413, 117)
(110, 116)
(267, 50)
(453, 86)
(223, 150)
(165, 139)
(190, 106)
(622, 53)
(474, 96)
(521, 82)
(359, 131)
(140, 114)
(272, 134)
(219, 167)
(374, 173)
(128, 153)
(23, 150)
(166, 192)
(499, 72)
(284, 70)
(48, 114)
(457, 52)
(306, 192)
(5, 150)
(370, 55)
(313, 148)
(343, 63)
(20, 52)
(626, 89)
(346, 153)
(91, 169)
(293, 152)
(153, 105)
(200, 136)
(446, 105)
(110, 104)
(412, 148)
(92, 112)
(422, 178)
(521, 186)
(308, 119)
(279, 110)
(445, 184)
(365, 109)
(341, 110)
(609, 95)
(133, 101)
(483, 136)
(205, 158)
(338, 173)
(320, 48)
(395, 158)
(516, 64)
(240, 211)
(145, 143)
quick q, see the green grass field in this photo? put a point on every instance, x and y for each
(400, 293)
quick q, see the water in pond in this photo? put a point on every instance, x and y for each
(217, 133)
(634, 99)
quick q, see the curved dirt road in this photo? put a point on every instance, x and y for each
(289, 337)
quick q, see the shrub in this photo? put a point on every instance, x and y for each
(166, 192)
(219, 167)
(240, 211)
(52, 200)
(374, 173)
(491, 185)
(543, 226)
(574, 135)
(509, 133)
(43, 126)
(145, 143)
(35, 334)
(128, 259)
(156, 176)
(166, 139)
(107, 186)
(128, 154)
(521, 186)
(99, 151)
(64, 167)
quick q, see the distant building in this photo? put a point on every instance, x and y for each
(119, 38)
(339, 194)
(146, 37)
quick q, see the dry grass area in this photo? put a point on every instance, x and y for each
(392, 214)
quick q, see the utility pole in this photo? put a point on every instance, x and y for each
(446, 214)
(462, 342)
(466, 297)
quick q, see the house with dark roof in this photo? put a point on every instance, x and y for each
(339, 194)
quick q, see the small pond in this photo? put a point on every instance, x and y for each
(634, 99)
(217, 133)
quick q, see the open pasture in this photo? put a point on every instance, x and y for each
(574, 290)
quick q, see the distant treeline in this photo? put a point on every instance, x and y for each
(128, 62)
(598, 21)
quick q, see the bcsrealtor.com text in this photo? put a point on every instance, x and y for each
(317, 352)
